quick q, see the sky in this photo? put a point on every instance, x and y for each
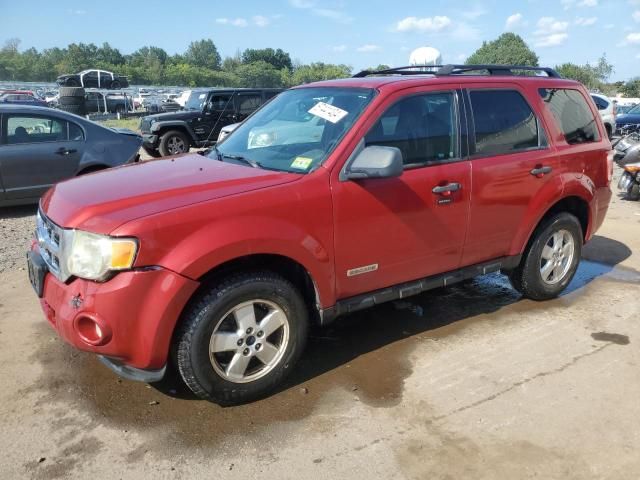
(357, 33)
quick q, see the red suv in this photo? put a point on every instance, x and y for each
(333, 197)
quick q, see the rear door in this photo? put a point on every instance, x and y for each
(511, 163)
(37, 152)
(392, 230)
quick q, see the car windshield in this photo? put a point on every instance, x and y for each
(196, 101)
(297, 130)
(635, 109)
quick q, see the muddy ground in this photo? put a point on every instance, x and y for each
(467, 382)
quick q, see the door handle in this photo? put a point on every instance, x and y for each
(446, 189)
(540, 171)
(64, 151)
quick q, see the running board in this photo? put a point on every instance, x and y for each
(403, 290)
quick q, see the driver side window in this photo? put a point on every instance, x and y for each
(423, 127)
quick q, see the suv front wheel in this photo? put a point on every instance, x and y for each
(551, 258)
(241, 338)
(173, 142)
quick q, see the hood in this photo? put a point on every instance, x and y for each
(628, 118)
(181, 115)
(126, 131)
(103, 201)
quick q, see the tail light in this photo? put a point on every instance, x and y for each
(610, 166)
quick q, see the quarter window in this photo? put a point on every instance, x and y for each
(423, 127)
(504, 122)
(572, 114)
(23, 129)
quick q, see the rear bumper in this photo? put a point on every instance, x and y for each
(135, 313)
(599, 207)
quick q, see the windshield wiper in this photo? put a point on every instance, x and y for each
(239, 158)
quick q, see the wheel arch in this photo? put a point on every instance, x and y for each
(160, 128)
(287, 267)
(573, 204)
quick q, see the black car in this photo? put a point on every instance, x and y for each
(93, 79)
(41, 146)
(198, 125)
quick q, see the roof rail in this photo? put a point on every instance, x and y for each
(443, 70)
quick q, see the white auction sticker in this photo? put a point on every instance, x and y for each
(328, 112)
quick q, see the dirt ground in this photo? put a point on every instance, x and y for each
(467, 382)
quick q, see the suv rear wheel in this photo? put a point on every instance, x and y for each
(551, 259)
(173, 142)
(241, 338)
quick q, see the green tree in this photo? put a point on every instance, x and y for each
(279, 59)
(203, 53)
(631, 88)
(592, 77)
(259, 74)
(319, 71)
(507, 49)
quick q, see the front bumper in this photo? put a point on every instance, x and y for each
(149, 140)
(135, 313)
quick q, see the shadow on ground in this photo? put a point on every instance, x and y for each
(18, 212)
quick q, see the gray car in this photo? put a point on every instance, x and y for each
(42, 146)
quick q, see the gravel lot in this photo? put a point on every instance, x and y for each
(471, 381)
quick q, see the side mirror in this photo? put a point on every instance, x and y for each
(376, 162)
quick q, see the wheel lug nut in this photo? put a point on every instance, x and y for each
(258, 346)
(249, 331)
(260, 333)
(240, 342)
(246, 351)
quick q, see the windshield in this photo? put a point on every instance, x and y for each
(196, 101)
(298, 129)
(635, 109)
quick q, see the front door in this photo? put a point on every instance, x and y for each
(389, 231)
(218, 112)
(36, 152)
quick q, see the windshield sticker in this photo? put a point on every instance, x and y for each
(328, 112)
(301, 163)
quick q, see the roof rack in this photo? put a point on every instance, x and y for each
(443, 70)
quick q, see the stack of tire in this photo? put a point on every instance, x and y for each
(71, 99)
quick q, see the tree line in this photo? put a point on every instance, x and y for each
(200, 65)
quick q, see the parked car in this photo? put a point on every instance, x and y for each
(21, 99)
(94, 79)
(629, 121)
(225, 131)
(226, 261)
(42, 146)
(111, 103)
(608, 112)
(622, 109)
(199, 124)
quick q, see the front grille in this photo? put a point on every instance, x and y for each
(145, 125)
(50, 240)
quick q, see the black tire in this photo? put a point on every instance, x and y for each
(633, 192)
(115, 85)
(211, 309)
(527, 277)
(71, 101)
(76, 109)
(71, 92)
(152, 152)
(166, 140)
(609, 131)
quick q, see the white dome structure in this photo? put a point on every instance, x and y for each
(425, 56)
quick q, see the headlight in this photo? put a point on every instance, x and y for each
(93, 256)
(264, 139)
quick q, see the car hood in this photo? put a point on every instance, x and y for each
(181, 115)
(628, 118)
(103, 201)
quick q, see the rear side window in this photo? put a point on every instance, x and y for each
(572, 114)
(248, 103)
(25, 129)
(504, 122)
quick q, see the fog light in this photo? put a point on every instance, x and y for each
(91, 330)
